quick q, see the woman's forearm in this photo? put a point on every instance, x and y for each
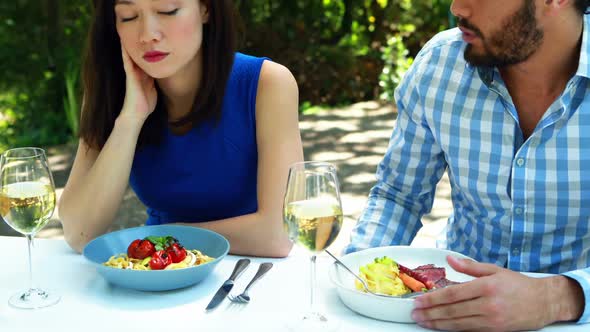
(256, 234)
(88, 206)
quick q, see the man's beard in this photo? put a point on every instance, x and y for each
(517, 39)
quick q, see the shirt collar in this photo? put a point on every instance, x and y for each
(584, 64)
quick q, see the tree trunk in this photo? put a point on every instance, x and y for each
(245, 9)
(345, 25)
(54, 56)
(381, 28)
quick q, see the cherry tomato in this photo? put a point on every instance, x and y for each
(140, 249)
(176, 252)
(160, 259)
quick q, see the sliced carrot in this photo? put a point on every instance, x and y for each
(412, 283)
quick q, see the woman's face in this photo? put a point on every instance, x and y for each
(161, 36)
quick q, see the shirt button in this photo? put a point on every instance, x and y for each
(515, 251)
(520, 162)
(518, 211)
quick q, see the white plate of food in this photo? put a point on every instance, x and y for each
(426, 264)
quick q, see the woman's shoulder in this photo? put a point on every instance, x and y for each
(247, 65)
(275, 74)
(253, 70)
(248, 59)
(277, 90)
(258, 76)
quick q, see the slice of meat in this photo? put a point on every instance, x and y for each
(433, 274)
(427, 266)
(430, 275)
(444, 282)
(423, 278)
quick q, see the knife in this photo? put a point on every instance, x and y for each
(222, 292)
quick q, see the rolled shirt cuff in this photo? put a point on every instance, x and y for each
(583, 278)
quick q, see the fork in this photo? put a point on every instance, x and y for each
(244, 297)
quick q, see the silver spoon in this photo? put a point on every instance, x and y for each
(365, 286)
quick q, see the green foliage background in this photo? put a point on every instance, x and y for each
(340, 51)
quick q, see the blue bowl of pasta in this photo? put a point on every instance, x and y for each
(204, 249)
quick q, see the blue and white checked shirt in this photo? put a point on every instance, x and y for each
(522, 204)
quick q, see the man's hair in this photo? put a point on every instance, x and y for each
(104, 77)
(582, 6)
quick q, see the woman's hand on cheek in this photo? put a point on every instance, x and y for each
(140, 95)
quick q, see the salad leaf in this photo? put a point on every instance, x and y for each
(386, 261)
(161, 242)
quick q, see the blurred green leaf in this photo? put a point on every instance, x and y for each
(340, 51)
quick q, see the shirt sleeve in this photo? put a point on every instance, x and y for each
(406, 177)
(582, 276)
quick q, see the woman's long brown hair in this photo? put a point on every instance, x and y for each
(104, 77)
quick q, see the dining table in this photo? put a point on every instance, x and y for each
(89, 303)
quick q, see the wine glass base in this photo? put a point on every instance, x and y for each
(33, 299)
(313, 322)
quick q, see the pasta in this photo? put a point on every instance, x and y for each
(382, 276)
(122, 261)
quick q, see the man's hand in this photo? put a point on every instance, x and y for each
(498, 300)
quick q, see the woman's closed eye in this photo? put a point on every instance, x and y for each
(127, 19)
(170, 13)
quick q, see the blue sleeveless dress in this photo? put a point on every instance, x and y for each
(210, 172)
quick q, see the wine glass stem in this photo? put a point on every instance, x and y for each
(30, 243)
(313, 284)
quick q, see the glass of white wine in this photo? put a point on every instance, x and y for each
(27, 201)
(312, 215)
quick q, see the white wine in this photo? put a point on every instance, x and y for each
(27, 206)
(314, 223)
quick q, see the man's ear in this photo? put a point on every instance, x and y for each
(204, 8)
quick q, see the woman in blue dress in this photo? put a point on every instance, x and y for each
(204, 135)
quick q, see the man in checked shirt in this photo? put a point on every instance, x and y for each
(503, 105)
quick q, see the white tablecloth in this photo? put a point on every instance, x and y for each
(89, 303)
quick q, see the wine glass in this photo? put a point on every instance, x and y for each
(27, 201)
(312, 215)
